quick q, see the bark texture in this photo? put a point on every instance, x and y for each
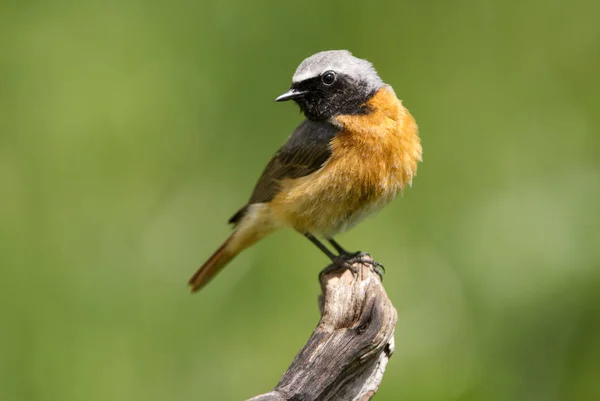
(346, 356)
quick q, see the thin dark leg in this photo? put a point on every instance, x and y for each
(340, 249)
(346, 259)
(352, 257)
(320, 245)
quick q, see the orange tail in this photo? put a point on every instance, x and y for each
(213, 265)
(251, 224)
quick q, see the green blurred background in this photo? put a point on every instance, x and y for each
(130, 131)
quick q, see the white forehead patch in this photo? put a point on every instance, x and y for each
(340, 61)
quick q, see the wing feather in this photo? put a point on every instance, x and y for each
(305, 152)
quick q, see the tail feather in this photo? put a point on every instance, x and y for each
(212, 266)
(252, 223)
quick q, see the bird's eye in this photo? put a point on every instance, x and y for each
(328, 78)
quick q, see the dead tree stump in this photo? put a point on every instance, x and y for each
(346, 355)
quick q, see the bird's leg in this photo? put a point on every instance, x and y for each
(358, 256)
(339, 262)
(320, 245)
(340, 249)
(345, 259)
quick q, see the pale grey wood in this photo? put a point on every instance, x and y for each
(346, 356)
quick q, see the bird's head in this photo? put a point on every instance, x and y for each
(333, 83)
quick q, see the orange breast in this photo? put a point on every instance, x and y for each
(373, 159)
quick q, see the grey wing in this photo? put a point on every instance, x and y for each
(305, 151)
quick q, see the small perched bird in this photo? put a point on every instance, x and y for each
(356, 150)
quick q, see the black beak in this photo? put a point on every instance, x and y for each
(290, 95)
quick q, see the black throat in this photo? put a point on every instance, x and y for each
(323, 102)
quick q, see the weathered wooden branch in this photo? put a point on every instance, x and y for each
(346, 355)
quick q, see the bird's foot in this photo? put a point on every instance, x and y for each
(348, 260)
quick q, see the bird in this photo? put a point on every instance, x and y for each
(357, 149)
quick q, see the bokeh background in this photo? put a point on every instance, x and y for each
(130, 131)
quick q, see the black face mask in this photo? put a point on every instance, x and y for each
(325, 99)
